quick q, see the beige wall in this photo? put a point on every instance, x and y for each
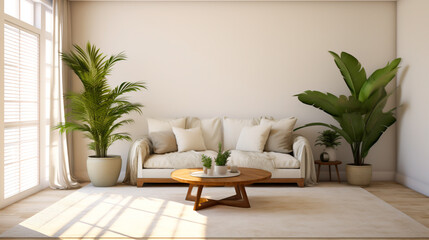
(413, 130)
(238, 59)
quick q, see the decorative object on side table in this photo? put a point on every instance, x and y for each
(98, 110)
(329, 139)
(328, 163)
(207, 165)
(221, 160)
(360, 116)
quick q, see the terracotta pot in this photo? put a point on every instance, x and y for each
(104, 172)
(359, 175)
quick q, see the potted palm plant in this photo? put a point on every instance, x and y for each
(329, 139)
(360, 115)
(98, 110)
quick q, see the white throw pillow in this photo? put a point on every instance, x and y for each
(189, 139)
(253, 138)
(280, 138)
(162, 125)
(211, 129)
(232, 129)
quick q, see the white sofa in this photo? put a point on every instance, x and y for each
(144, 166)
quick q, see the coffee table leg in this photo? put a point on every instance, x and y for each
(197, 198)
(234, 201)
(246, 203)
(189, 196)
(238, 200)
(329, 172)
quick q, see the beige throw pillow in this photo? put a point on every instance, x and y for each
(253, 139)
(280, 138)
(161, 125)
(163, 142)
(189, 139)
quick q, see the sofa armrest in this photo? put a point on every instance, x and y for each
(139, 152)
(302, 151)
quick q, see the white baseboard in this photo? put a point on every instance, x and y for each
(376, 175)
(412, 183)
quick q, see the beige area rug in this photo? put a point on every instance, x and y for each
(331, 211)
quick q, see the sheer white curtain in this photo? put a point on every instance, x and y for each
(60, 176)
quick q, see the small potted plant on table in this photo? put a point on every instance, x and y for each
(207, 165)
(221, 160)
(329, 139)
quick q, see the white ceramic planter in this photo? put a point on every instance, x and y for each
(359, 175)
(221, 170)
(332, 154)
(104, 172)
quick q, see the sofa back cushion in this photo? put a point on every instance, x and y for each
(189, 139)
(280, 138)
(161, 125)
(211, 129)
(232, 129)
(253, 138)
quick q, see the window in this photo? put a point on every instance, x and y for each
(24, 105)
(21, 110)
(27, 11)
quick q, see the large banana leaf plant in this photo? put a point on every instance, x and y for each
(360, 116)
(98, 110)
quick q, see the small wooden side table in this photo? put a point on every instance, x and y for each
(335, 163)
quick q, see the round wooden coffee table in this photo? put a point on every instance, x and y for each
(247, 176)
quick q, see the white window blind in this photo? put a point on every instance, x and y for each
(21, 110)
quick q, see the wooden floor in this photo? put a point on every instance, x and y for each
(406, 200)
(402, 198)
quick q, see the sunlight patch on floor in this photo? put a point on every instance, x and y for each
(105, 214)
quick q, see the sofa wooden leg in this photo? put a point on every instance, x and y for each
(140, 182)
(300, 183)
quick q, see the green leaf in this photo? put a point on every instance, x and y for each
(353, 124)
(379, 79)
(326, 102)
(353, 73)
(369, 104)
(378, 125)
(338, 130)
(350, 104)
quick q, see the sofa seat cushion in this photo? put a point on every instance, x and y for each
(265, 160)
(178, 160)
